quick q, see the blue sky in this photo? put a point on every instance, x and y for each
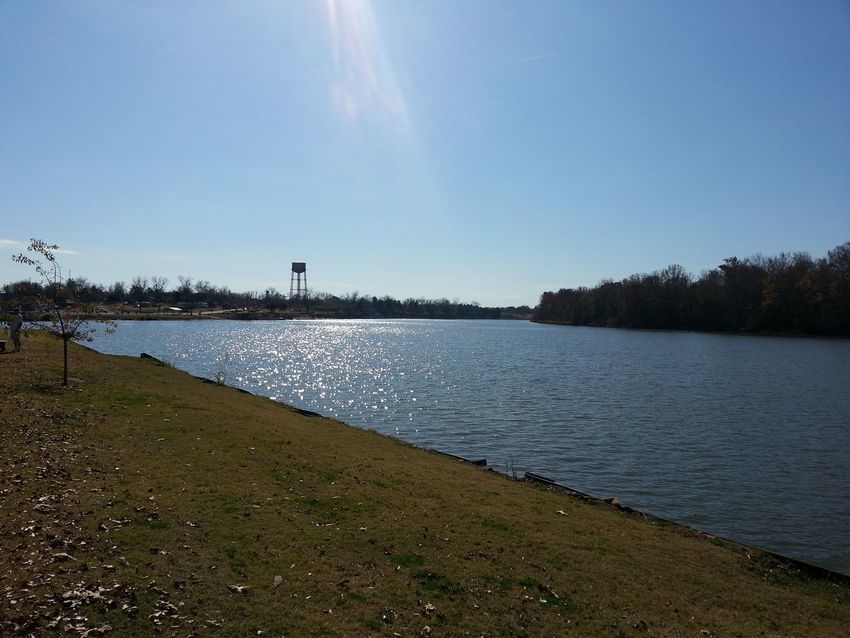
(478, 150)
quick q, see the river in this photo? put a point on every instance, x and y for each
(745, 437)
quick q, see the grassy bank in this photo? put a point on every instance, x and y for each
(141, 501)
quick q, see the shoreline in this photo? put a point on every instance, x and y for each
(649, 488)
(803, 568)
(695, 331)
(194, 503)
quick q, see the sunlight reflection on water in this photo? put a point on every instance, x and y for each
(743, 436)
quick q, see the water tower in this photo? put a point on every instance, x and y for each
(298, 281)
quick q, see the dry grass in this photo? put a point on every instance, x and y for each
(138, 499)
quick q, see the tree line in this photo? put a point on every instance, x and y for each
(188, 293)
(788, 293)
(366, 306)
(141, 290)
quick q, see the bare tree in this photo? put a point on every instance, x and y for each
(203, 289)
(139, 288)
(64, 322)
(158, 285)
(184, 289)
(117, 293)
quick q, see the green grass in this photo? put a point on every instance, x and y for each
(408, 560)
(168, 491)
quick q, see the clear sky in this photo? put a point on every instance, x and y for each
(478, 149)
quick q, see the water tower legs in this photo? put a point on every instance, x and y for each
(298, 282)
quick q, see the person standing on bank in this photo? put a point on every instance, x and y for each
(15, 329)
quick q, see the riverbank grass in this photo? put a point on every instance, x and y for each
(142, 501)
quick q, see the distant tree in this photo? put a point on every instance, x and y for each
(837, 289)
(203, 290)
(674, 303)
(242, 299)
(789, 299)
(82, 290)
(139, 289)
(707, 298)
(274, 300)
(789, 293)
(23, 289)
(742, 284)
(117, 293)
(158, 285)
(608, 303)
(184, 288)
(65, 322)
(222, 296)
(73, 287)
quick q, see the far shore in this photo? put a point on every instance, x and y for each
(261, 315)
(739, 333)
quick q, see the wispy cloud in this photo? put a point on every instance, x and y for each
(14, 244)
(509, 62)
(10, 244)
(364, 87)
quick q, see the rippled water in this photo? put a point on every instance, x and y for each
(747, 437)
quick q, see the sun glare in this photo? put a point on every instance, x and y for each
(364, 88)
